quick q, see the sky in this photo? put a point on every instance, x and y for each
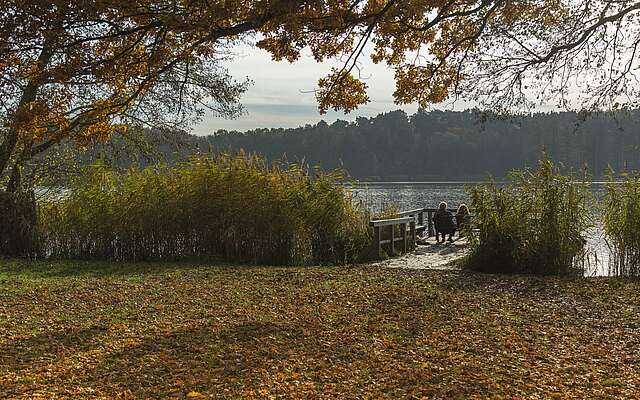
(281, 94)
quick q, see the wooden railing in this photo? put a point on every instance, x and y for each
(407, 239)
(411, 223)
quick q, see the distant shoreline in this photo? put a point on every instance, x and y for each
(415, 182)
(449, 182)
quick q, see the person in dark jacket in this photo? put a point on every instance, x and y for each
(444, 223)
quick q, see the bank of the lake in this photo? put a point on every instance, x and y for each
(103, 330)
(380, 196)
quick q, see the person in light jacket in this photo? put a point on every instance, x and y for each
(463, 217)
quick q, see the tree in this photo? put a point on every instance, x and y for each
(80, 70)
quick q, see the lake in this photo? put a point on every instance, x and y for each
(378, 196)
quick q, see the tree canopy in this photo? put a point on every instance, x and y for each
(82, 70)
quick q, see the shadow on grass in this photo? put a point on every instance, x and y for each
(42, 349)
(81, 268)
(204, 356)
(208, 357)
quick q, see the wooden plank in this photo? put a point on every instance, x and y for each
(410, 212)
(387, 241)
(393, 242)
(392, 221)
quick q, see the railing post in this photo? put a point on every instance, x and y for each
(412, 233)
(403, 231)
(430, 223)
(421, 218)
(377, 240)
(393, 243)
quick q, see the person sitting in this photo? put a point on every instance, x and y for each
(444, 223)
(463, 217)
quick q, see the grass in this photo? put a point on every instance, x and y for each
(106, 330)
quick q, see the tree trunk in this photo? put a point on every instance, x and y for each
(29, 94)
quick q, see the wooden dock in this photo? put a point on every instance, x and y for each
(398, 235)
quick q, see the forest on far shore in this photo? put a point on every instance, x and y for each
(437, 145)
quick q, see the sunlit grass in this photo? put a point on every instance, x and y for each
(98, 330)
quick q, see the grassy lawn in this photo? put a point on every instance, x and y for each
(98, 330)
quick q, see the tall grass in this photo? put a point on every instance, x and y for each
(534, 224)
(621, 221)
(18, 221)
(236, 208)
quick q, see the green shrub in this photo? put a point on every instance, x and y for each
(621, 220)
(534, 224)
(237, 208)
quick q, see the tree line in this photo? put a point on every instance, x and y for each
(438, 145)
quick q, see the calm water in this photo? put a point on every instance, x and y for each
(378, 196)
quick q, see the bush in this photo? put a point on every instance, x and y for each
(237, 208)
(621, 220)
(18, 226)
(534, 224)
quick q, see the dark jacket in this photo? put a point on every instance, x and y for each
(443, 221)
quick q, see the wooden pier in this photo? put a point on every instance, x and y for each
(401, 233)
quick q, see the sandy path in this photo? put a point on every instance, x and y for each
(429, 256)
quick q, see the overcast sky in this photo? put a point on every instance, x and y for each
(281, 95)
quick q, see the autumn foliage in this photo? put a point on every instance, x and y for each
(79, 71)
(90, 330)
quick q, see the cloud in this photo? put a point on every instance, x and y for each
(274, 115)
(282, 93)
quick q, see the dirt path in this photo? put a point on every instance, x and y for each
(430, 255)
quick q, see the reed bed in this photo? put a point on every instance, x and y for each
(534, 224)
(18, 224)
(621, 222)
(235, 208)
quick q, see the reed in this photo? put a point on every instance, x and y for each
(535, 224)
(235, 208)
(18, 216)
(621, 223)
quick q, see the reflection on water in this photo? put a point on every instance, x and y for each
(378, 196)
